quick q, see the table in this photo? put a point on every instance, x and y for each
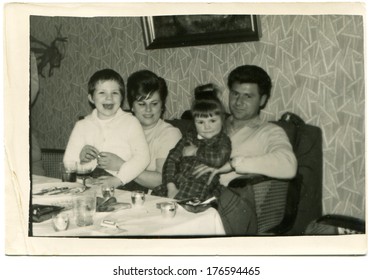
(144, 220)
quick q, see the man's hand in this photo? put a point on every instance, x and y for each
(88, 153)
(172, 190)
(204, 169)
(190, 150)
(109, 161)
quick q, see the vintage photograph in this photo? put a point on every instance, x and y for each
(202, 127)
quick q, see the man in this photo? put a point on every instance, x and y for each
(258, 147)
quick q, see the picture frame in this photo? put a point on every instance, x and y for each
(194, 30)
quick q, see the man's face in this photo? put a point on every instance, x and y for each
(245, 100)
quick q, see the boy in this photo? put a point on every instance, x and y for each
(108, 133)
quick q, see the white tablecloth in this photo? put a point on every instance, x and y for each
(145, 220)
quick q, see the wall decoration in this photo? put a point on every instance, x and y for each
(192, 30)
(49, 54)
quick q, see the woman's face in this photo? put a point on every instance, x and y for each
(148, 111)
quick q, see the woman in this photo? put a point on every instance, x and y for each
(147, 93)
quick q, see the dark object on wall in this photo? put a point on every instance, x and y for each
(49, 54)
(192, 30)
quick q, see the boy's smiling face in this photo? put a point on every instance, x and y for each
(106, 98)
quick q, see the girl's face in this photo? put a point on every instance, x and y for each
(106, 98)
(208, 127)
(148, 111)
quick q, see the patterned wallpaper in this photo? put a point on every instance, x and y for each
(316, 63)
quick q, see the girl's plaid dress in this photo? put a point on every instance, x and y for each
(214, 152)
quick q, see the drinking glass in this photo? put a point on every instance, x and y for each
(68, 171)
(83, 172)
(84, 207)
(138, 198)
(107, 191)
(168, 209)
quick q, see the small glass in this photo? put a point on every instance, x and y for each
(107, 191)
(61, 221)
(68, 171)
(138, 198)
(168, 209)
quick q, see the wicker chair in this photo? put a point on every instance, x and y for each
(51, 161)
(286, 207)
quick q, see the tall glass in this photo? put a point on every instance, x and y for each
(84, 208)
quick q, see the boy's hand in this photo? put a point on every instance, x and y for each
(109, 161)
(109, 181)
(190, 150)
(88, 153)
(172, 190)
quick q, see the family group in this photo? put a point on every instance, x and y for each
(138, 149)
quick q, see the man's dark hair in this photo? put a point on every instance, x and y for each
(251, 74)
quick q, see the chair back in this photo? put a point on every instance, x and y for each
(51, 159)
(304, 201)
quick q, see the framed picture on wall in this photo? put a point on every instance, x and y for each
(192, 30)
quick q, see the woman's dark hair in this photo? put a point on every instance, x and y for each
(207, 103)
(106, 75)
(251, 74)
(142, 84)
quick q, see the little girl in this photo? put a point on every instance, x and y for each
(205, 144)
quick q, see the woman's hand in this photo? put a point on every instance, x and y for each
(109, 161)
(108, 181)
(171, 190)
(88, 153)
(190, 150)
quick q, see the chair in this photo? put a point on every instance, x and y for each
(336, 225)
(51, 161)
(286, 207)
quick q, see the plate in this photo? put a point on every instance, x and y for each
(56, 194)
(195, 208)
